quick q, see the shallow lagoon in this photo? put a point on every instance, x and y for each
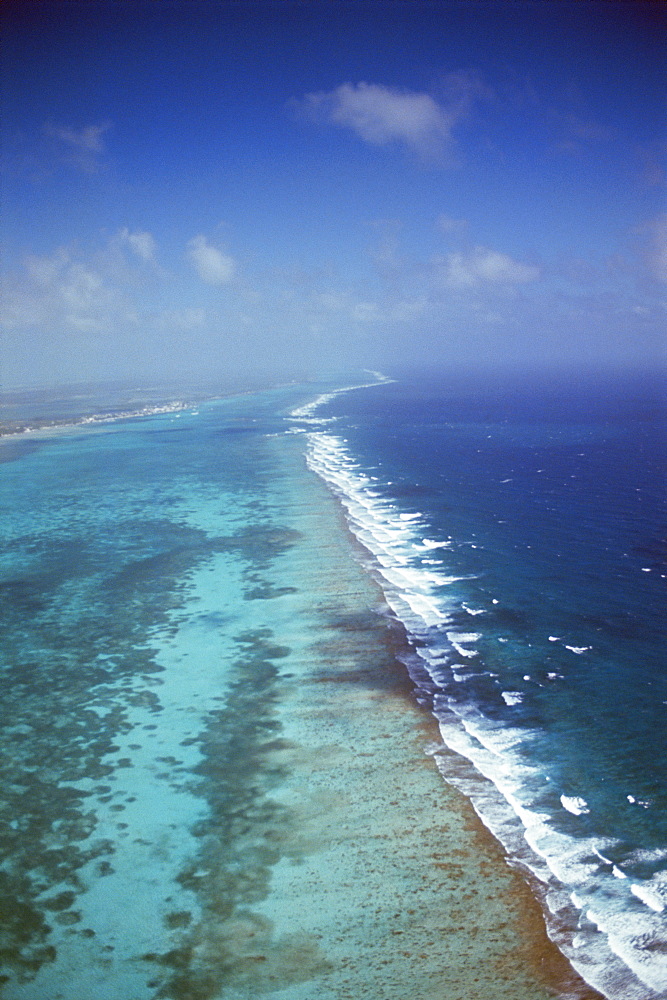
(215, 778)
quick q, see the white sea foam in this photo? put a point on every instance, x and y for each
(575, 804)
(648, 896)
(513, 798)
(463, 636)
(642, 855)
(644, 803)
(307, 411)
(462, 651)
(429, 543)
(604, 949)
(460, 640)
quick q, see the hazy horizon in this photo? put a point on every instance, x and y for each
(206, 191)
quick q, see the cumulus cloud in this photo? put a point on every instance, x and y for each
(140, 243)
(82, 147)
(448, 225)
(58, 292)
(483, 266)
(212, 265)
(382, 115)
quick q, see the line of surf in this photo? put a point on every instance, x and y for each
(592, 914)
(306, 413)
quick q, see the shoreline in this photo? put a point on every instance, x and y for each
(482, 771)
(530, 890)
(320, 851)
(165, 403)
(8, 433)
(389, 871)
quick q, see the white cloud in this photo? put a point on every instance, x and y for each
(212, 266)
(446, 224)
(83, 147)
(366, 312)
(408, 310)
(81, 289)
(142, 244)
(44, 270)
(57, 292)
(381, 115)
(482, 266)
(346, 304)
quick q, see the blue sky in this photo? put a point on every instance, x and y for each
(300, 187)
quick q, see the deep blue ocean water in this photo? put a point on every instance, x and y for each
(517, 527)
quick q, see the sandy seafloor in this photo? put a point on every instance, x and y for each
(276, 824)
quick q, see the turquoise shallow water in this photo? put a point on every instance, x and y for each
(125, 552)
(214, 774)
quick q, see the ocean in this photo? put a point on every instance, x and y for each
(518, 529)
(210, 781)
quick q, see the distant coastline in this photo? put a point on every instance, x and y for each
(15, 428)
(40, 410)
